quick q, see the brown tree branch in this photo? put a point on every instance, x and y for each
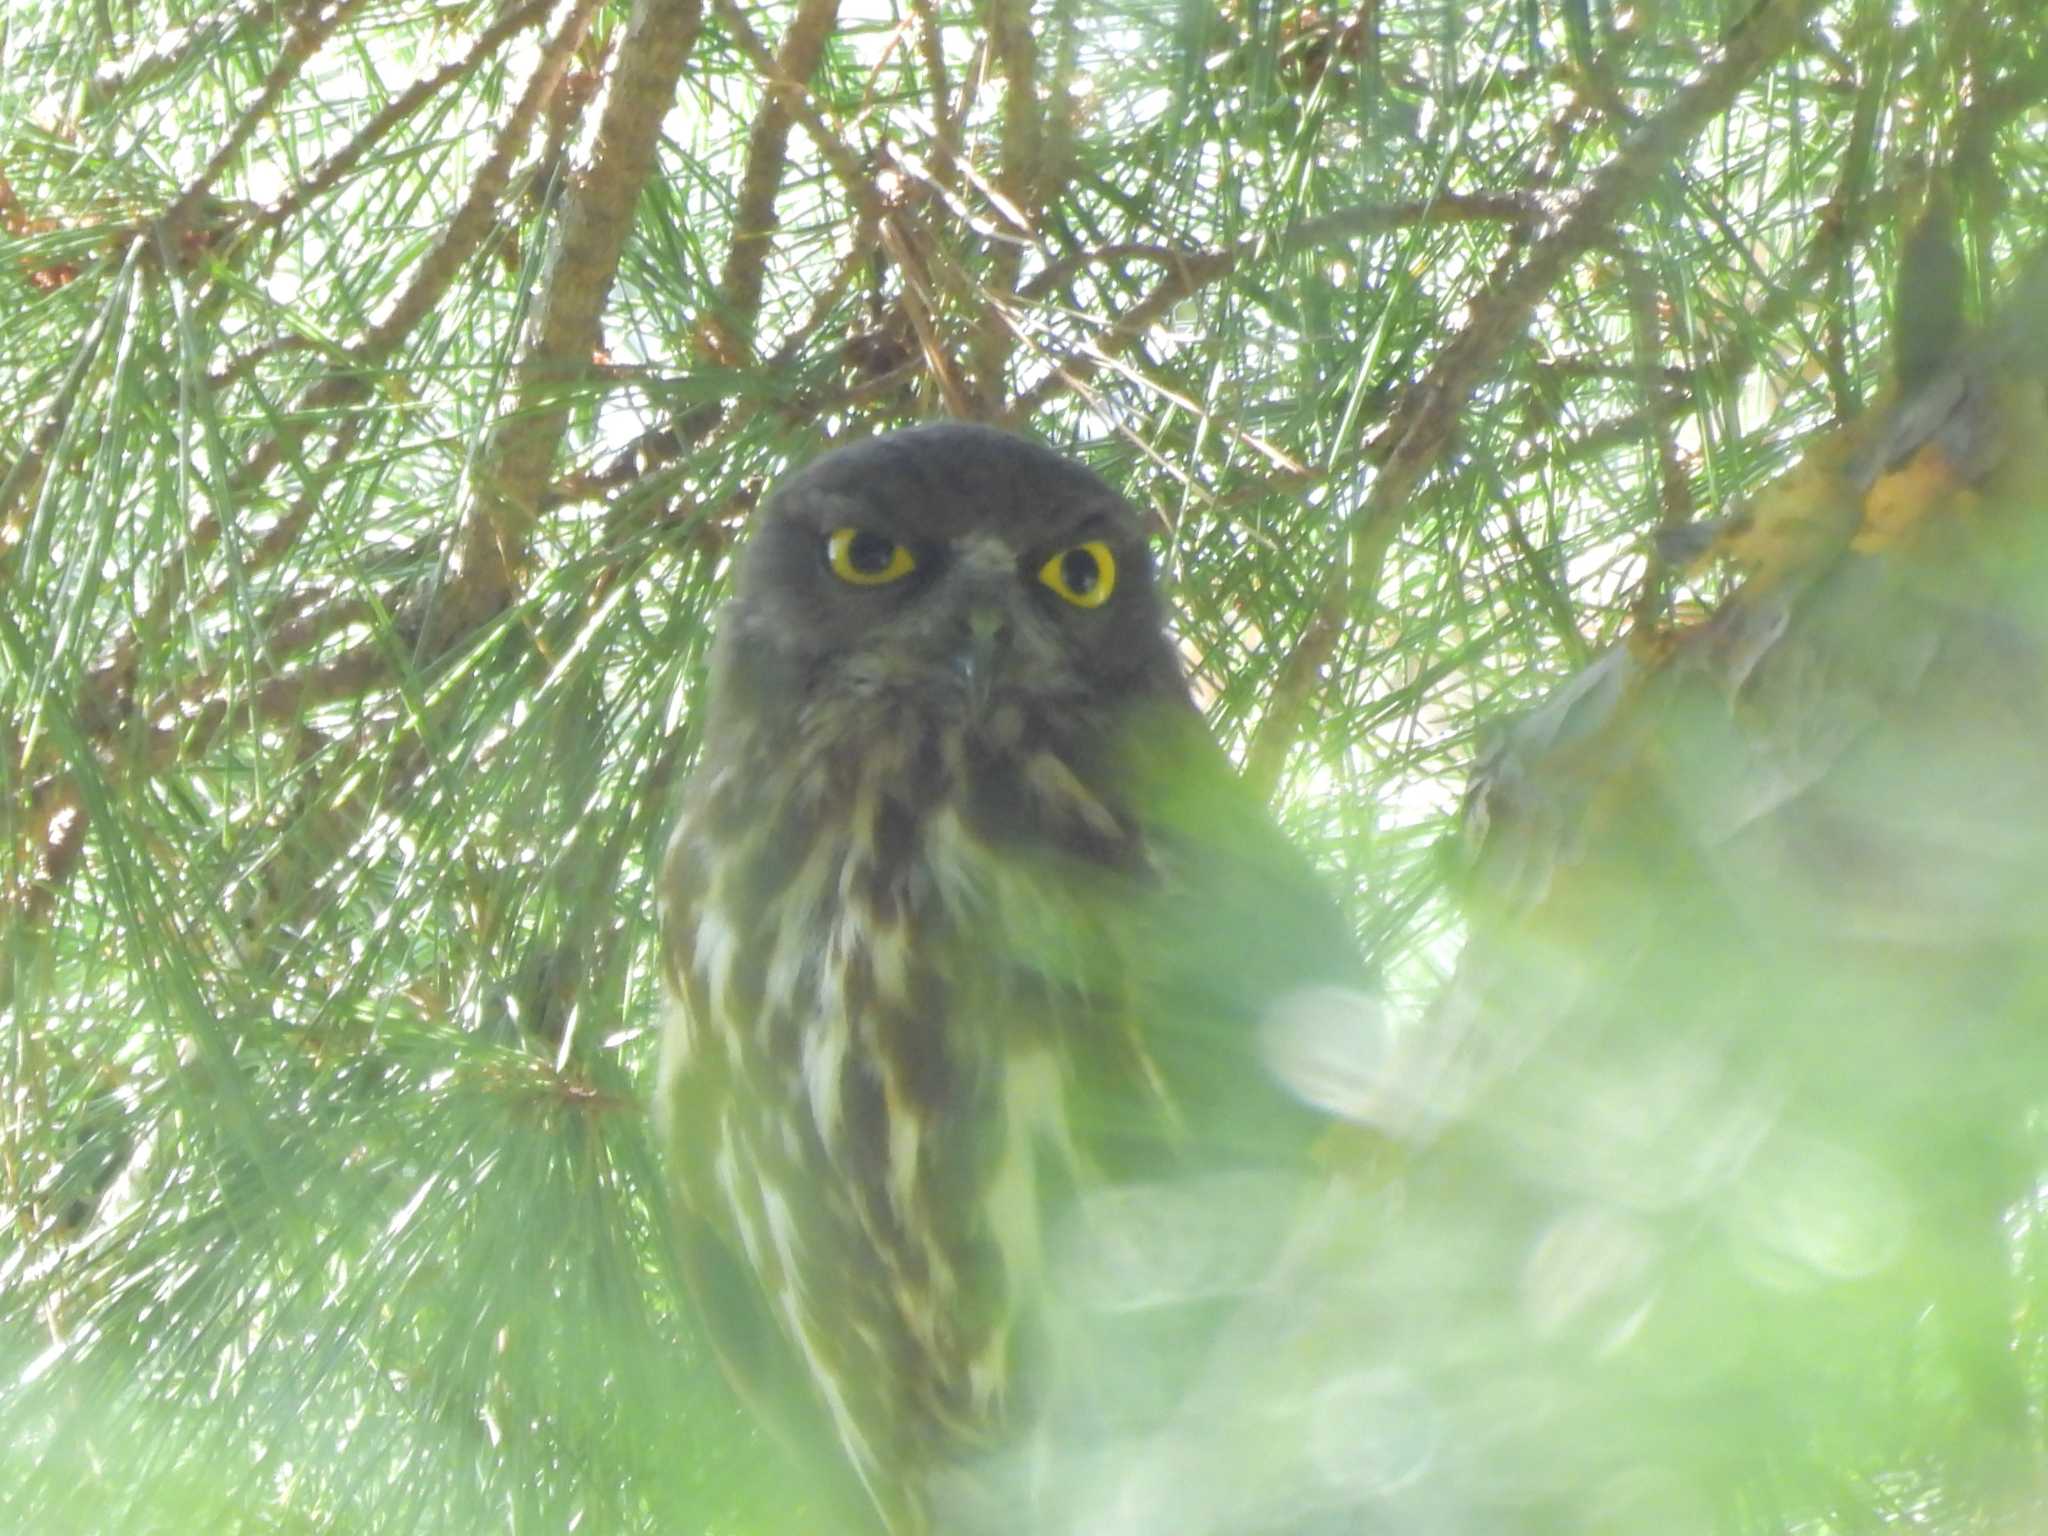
(845, 164)
(105, 706)
(596, 217)
(350, 381)
(931, 52)
(725, 333)
(1190, 269)
(473, 222)
(927, 269)
(1020, 179)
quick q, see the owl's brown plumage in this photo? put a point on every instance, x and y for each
(966, 915)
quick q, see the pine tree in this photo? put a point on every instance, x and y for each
(382, 389)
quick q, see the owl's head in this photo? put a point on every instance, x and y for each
(950, 569)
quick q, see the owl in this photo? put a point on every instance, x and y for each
(967, 919)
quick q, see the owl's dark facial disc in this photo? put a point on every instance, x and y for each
(946, 569)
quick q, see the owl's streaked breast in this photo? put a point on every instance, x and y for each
(886, 970)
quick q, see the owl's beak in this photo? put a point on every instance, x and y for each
(974, 662)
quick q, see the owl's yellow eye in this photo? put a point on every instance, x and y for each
(1084, 575)
(867, 559)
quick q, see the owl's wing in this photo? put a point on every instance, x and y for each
(727, 1301)
(1215, 939)
(1242, 944)
(1202, 1159)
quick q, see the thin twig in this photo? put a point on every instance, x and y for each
(1192, 270)
(931, 50)
(28, 469)
(1187, 275)
(1852, 187)
(1424, 422)
(1369, 219)
(312, 29)
(860, 251)
(918, 307)
(219, 34)
(329, 173)
(1674, 485)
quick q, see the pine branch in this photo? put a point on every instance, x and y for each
(845, 165)
(491, 550)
